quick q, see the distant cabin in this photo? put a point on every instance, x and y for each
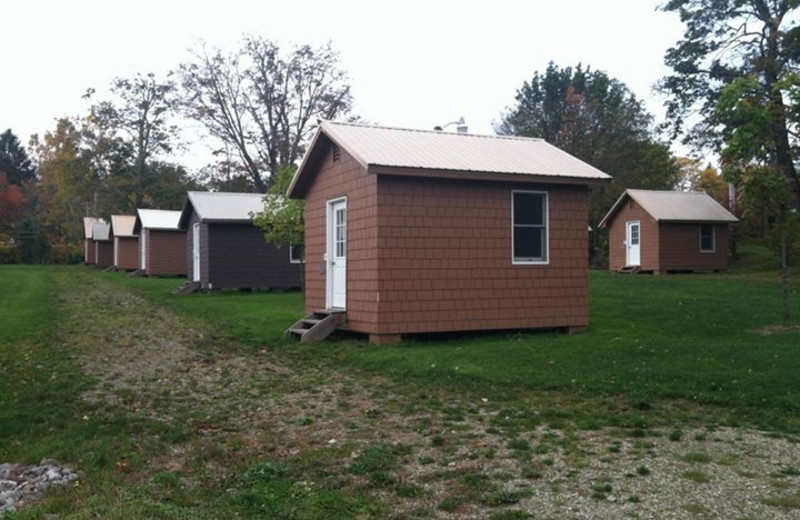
(226, 250)
(102, 243)
(161, 247)
(667, 231)
(410, 231)
(89, 255)
(126, 242)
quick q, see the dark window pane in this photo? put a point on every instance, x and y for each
(529, 243)
(529, 208)
(297, 252)
(707, 238)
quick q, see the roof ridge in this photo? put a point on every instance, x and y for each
(227, 193)
(436, 132)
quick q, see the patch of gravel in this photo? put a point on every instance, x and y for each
(158, 367)
(22, 484)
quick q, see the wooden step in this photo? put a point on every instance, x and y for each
(317, 326)
(188, 287)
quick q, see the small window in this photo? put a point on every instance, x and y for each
(296, 253)
(337, 153)
(707, 238)
(529, 221)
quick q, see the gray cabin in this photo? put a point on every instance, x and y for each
(225, 250)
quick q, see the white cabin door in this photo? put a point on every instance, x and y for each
(336, 293)
(196, 253)
(143, 243)
(633, 240)
(116, 251)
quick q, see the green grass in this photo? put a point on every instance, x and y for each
(252, 318)
(663, 355)
(656, 341)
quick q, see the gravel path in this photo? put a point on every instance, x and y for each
(158, 367)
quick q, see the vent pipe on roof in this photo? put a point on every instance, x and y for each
(461, 128)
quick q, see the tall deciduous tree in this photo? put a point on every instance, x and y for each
(264, 102)
(737, 65)
(135, 128)
(600, 121)
(14, 160)
(732, 75)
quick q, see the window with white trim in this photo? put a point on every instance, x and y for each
(296, 253)
(529, 226)
(708, 238)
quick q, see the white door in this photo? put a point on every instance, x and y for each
(632, 240)
(143, 243)
(196, 253)
(337, 255)
(116, 251)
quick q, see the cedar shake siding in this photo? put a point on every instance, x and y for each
(680, 248)
(335, 179)
(430, 255)
(670, 231)
(127, 249)
(445, 258)
(104, 253)
(165, 252)
(648, 233)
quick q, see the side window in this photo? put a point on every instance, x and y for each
(707, 238)
(296, 253)
(529, 222)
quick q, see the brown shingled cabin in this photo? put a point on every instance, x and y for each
(226, 250)
(161, 245)
(89, 257)
(410, 231)
(667, 231)
(103, 246)
(126, 243)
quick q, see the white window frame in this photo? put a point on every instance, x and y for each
(713, 238)
(533, 261)
(292, 259)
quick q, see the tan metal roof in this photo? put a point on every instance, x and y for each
(88, 226)
(158, 218)
(378, 146)
(675, 206)
(219, 206)
(122, 225)
(101, 230)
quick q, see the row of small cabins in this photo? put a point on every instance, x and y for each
(413, 231)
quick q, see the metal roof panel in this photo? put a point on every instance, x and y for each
(122, 225)
(158, 218)
(219, 206)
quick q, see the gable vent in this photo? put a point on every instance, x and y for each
(337, 153)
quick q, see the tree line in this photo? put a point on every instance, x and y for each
(732, 90)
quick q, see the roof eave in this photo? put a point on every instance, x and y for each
(485, 175)
(295, 190)
(603, 223)
(183, 221)
(696, 221)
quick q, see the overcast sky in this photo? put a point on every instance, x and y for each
(411, 63)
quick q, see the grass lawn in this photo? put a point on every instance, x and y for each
(196, 406)
(701, 341)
